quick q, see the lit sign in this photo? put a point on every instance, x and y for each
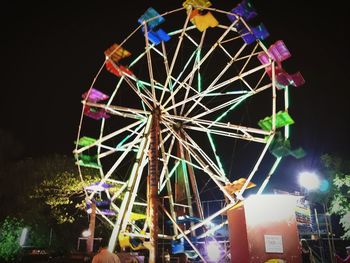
(273, 244)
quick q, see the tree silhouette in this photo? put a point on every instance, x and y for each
(339, 170)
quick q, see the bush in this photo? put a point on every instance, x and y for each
(10, 232)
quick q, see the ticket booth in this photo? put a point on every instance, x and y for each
(263, 228)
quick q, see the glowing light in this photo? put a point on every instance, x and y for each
(256, 205)
(324, 185)
(309, 180)
(213, 251)
(23, 237)
(86, 233)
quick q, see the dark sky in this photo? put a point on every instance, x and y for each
(51, 51)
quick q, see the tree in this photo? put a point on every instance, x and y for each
(30, 186)
(10, 231)
(340, 203)
(64, 194)
(340, 197)
(61, 188)
(45, 193)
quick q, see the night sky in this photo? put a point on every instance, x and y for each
(51, 51)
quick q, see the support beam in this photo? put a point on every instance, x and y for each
(152, 186)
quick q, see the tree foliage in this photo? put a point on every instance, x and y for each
(63, 194)
(36, 187)
(61, 189)
(47, 194)
(10, 231)
(340, 203)
(340, 198)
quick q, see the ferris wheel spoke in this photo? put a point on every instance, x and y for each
(186, 100)
(192, 40)
(206, 220)
(153, 84)
(246, 137)
(110, 222)
(167, 69)
(184, 143)
(176, 80)
(112, 150)
(197, 60)
(214, 86)
(197, 153)
(144, 97)
(218, 180)
(121, 111)
(165, 89)
(163, 141)
(205, 57)
(179, 43)
(233, 59)
(252, 54)
(198, 98)
(183, 234)
(157, 85)
(185, 67)
(118, 193)
(134, 184)
(204, 160)
(109, 136)
(231, 80)
(131, 190)
(165, 158)
(231, 104)
(208, 126)
(121, 146)
(255, 168)
(138, 86)
(186, 161)
(168, 174)
(121, 157)
(150, 67)
(228, 54)
(248, 58)
(211, 89)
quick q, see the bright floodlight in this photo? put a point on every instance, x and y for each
(309, 180)
(213, 251)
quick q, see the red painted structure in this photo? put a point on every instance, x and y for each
(264, 227)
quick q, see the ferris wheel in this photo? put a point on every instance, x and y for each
(185, 110)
